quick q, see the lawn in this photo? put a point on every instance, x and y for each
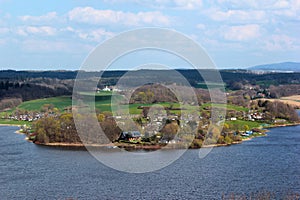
(204, 85)
(13, 122)
(103, 103)
(35, 105)
(242, 123)
(228, 106)
(102, 93)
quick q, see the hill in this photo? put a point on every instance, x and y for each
(285, 66)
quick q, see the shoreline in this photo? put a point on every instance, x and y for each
(136, 146)
(147, 147)
(10, 125)
(283, 125)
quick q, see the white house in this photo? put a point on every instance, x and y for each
(106, 89)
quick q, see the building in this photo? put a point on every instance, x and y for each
(129, 135)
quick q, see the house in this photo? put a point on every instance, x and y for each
(106, 89)
(115, 89)
(249, 132)
(129, 135)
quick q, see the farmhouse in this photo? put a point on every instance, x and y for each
(129, 135)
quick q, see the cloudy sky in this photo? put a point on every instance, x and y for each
(56, 34)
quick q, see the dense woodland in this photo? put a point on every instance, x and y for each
(61, 128)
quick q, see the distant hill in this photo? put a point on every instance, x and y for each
(285, 66)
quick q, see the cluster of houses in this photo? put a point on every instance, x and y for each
(30, 117)
(108, 89)
(250, 116)
(153, 126)
(130, 135)
(255, 116)
(256, 92)
(26, 117)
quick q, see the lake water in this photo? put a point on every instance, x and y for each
(271, 163)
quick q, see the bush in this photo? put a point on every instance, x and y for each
(221, 140)
(197, 143)
(228, 140)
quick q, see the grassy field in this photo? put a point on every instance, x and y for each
(210, 85)
(103, 103)
(241, 123)
(35, 105)
(102, 93)
(133, 108)
(228, 107)
(13, 122)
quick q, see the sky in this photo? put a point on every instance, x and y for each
(55, 34)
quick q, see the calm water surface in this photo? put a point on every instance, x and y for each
(271, 163)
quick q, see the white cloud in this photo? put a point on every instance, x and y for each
(2, 41)
(44, 45)
(284, 8)
(4, 30)
(94, 35)
(36, 30)
(187, 4)
(241, 33)
(21, 31)
(281, 43)
(42, 30)
(201, 26)
(164, 4)
(93, 16)
(237, 15)
(234, 2)
(246, 4)
(43, 18)
(289, 9)
(281, 4)
(54, 46)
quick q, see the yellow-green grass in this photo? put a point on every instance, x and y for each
(101, 93)
(240, 124)
(14, 122)
(209, 85)
(134, 108)
(103, 103)
(36, 105)
(227, 106)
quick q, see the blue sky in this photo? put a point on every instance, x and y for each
(55, 34)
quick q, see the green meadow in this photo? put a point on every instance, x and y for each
(227, 106)
(103, 103)
(36, 105)
(240, 124)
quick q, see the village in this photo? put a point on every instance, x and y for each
(164, 123)
(151, 129)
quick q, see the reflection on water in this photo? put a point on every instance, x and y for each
(271, 163)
